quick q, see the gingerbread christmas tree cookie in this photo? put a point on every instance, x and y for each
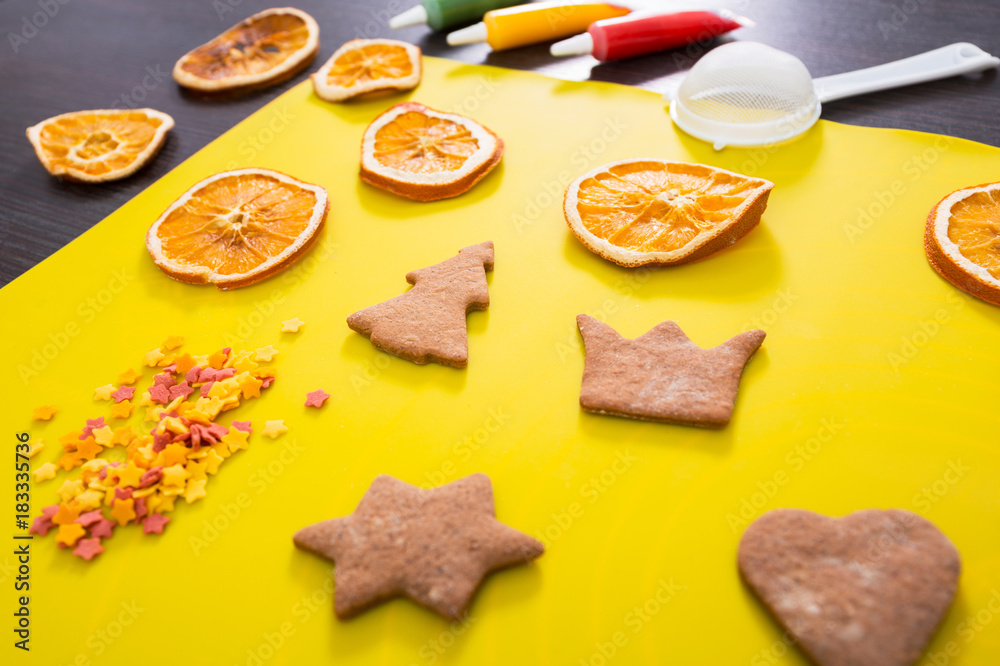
(427, 323)
(662, 375)
(434, 545)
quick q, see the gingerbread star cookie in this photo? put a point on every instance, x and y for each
(662, 375)
(869, 588)
(434, 546)
(427, 323)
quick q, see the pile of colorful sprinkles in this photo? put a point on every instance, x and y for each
(173, 460)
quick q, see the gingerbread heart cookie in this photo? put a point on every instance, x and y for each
(867, 589)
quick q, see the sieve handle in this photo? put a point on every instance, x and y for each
(951, 60)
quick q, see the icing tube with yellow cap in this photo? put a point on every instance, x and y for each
(441, 14)
(534, 22)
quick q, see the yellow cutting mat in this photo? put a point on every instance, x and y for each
(876, 387)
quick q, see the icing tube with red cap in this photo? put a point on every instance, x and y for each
(639, 33)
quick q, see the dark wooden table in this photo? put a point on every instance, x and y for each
(67, 55)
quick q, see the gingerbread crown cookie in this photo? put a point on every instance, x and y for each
(662, 375)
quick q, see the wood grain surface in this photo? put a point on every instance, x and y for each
(68, 55)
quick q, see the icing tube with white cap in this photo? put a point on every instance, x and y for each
(441, 14)
(534, 22)
(644, 32)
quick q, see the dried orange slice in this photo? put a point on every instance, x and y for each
(264, 49)
(651, 211)
(237, 227)
(423, 154)
(101, 145)
(962, 240)
(368, 65)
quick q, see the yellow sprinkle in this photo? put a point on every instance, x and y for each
(121, 410)
(291, 325)
(35, 448)
(273, 429)
(103, 435)
(265, 353)
(173, 342)
(104, 392)
(195, 491)
(70, 489)
(152, 357)
(44, 472)
(43, 413)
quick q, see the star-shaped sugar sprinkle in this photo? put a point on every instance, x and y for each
(89, 518)
(44, 472)
(194, 491)
(236, 439)
(245, 426)
(35, 448)
(265, 353)
(662, 375)
(123, 510)
(434, 546)
(130, 376)
(173, 342)
(123, 393)
(159, 393)
(212, 462)
(250, 386)
(154, 523)
(183, 364)
(274, 429)
(88, 549)
(316, 398)
(153, 357)
(104, 392)
(102, 528)
(43, 413)
(121, 410)
(292, 325)
(43, 523)
(103, 435)
(69, 534)
(182, 390)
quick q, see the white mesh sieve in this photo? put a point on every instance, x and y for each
(746, 93)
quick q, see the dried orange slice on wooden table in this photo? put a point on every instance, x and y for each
(423, 154)
(237, 227)
(266, 48)
(962, 240)
(100, 145)
(651, 211)
(368, 65)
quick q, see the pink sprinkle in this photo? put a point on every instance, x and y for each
(205, 388)
(43, 523)
(267, 381)
(154, 523)
(104, 473)
(123, 493)
(140, 508)
(89, 518)
(316, 398)
(170, 368)
(159, 393)
(102, 528)
(243, 425)
(92, 424)
(160, 441)
(164, 379)
(151, 476)
(178, 390)
(217, 431)
(192, 374)
(207, 375)
(225, 373)
(226, 350)
(88, 549)
(182, 437)
(123, 393)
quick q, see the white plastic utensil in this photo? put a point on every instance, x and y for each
(751, 94)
